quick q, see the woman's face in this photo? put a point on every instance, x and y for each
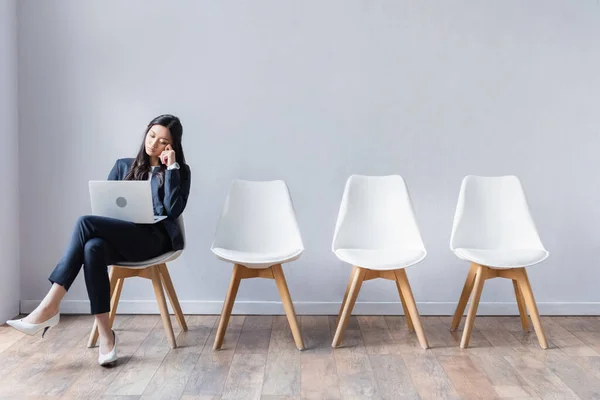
(157, 138)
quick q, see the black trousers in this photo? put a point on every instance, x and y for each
(98, 242)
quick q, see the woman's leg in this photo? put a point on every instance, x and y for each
(145, 242)
(65, 272)
(48, 307)
(122, 241)
(96, 258)
(107, 340)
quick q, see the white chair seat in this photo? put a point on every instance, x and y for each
(504, 258)
(164, 258)
(381, 259)
(252, 259)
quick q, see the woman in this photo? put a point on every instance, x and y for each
(97, 242)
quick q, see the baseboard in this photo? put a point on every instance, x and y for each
(321, 308)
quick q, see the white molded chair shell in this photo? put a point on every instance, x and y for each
(493, 225)
(257, 227)
(162, 259)
(376, 226)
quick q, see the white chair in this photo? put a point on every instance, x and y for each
(156, 270)
(493, 229)
(377, 233)
(257, 232)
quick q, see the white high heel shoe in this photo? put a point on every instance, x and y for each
(111, 357)
(32, 329)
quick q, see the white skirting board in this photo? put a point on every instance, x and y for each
(321, 308)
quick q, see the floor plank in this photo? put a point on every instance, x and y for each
(35, 359)
(592, 364)
(379, 358)
(441, 340)
(94, 380)
(392, 377)
(406, 340)
(581, 380)
(502, 340)
(245, 378)
(134, 376)
(212, 368)
(469, 381)
(316, 332)
(563, 338)
(579, 324)
(18, 352)
(171, 378)
(540, 378)
(255, 335)
(355, 374)
(9, 335)
(319, 377)
(504, 379)
(283, 370)
(63, 367)
(377, 337)
(430, 379)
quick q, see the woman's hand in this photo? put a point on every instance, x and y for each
(167, 157)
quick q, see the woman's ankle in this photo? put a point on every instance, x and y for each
(107, 342)
(42, 313)
(49, 309)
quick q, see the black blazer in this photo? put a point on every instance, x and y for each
(169, 199)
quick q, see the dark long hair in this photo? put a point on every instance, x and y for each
(141, 166)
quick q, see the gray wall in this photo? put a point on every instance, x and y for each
(311, 92)
(9, 205)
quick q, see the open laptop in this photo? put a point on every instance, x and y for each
(125, 200)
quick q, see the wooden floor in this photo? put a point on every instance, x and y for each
(380, 359)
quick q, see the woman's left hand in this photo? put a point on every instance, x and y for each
(167, 157)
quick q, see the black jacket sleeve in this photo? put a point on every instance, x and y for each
(177, 190)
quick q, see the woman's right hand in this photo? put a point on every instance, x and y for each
(167, 157)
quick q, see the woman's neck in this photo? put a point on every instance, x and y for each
(154, 162)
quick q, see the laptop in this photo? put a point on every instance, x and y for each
(126, 200)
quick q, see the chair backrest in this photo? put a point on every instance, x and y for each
(376, 213)
(258, 217)
(492, 213)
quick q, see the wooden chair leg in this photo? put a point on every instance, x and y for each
(337, 320)
(234, 284)
(116, 284)
(162, 305)
(407, 316)
(464, 297)
(115, 301)
(93, 335)
(402, 281)
(170, 289)
(521, 305)
(477, 289)
(288, 306)
(357, 280)
(525, 287)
